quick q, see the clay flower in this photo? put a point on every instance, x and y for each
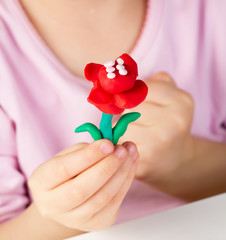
(115, 88)
(115, 85)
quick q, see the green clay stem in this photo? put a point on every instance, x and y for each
(91, 128)
(122, 125)
(106, 126)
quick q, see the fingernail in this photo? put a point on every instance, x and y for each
(120, 152)
(106, 147)
(132, 150)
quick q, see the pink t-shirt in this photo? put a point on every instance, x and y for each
(41, 102)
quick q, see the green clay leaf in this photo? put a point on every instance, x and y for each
(91, 128)
(122, 125)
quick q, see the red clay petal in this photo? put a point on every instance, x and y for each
(130, 62)
(98, 96)
(109, 108)
(103, 101)
(92, 71)
(133, 97)
(118, 84)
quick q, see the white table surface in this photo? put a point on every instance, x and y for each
(201, 220)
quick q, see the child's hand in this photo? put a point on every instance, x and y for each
(162, 134)
(82, 187)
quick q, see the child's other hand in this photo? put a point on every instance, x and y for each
(162, 134)
(83, 186)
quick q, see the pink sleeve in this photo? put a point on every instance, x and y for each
(13, 199)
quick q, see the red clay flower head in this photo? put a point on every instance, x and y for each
(116, 87)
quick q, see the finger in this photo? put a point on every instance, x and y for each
(76, 191)
(71, 149)
(135, 133)
(163, 77)
(105, 194)
(162, 90)
(112, 208)
(151, 114)
(62, 168)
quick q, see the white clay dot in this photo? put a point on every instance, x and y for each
(111, 75)
(110, 63)
(110, 69)
(120, 61)
(123, 72)
(120, 67)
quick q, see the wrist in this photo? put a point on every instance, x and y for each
(52, 229)
(189, 153)
(31, 225)
(201, 174)
(172, 178)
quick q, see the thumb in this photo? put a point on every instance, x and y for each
(161, 88)
(162, 77)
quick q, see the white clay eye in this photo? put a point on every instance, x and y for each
(110, 69)
(120, 67)
(111, 75)
(120, 61)
(110, 63)
(123, 72)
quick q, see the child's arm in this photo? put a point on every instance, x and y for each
(78, 190)
(202, 176)
(31, 225)
(170, 158)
